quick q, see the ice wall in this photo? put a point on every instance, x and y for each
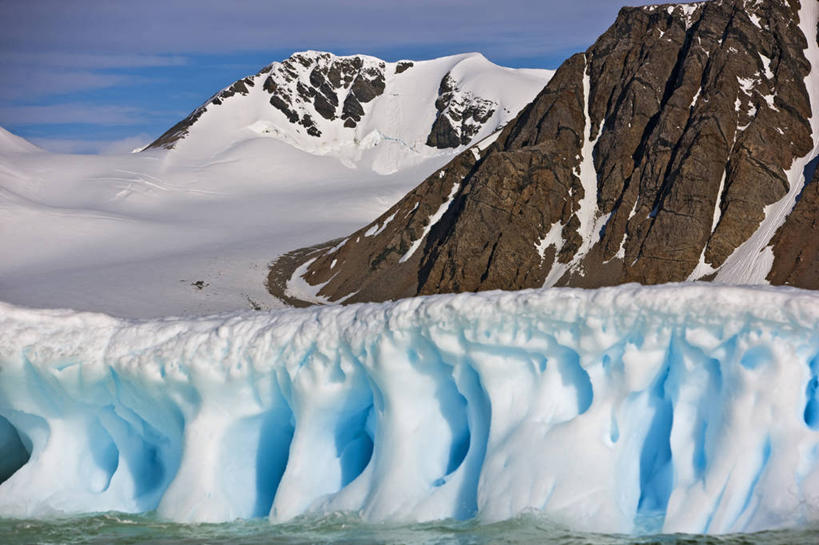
(683, 408)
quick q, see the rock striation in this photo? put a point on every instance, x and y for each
(675, 148)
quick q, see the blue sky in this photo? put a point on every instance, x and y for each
(96, 76)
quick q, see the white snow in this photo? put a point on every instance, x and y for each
(704, 269)
(587, 210)
(377, 228)
(717, 209)
(11, 143)
(755, 20)
(747, 84)
(587, 213)
(769, 99)
(688, 13)
(433, 219)
(551, 238)
(298, 288)
(766, 63)
(131, 234)
(621, 251)
(393, 131)
(615, 410)
(488, 141)
(696, 97)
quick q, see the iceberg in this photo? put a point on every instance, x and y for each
(678, 408)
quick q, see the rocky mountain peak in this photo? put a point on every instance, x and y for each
(306, 84)
(321, 102)
(314, 82)
(673, 149)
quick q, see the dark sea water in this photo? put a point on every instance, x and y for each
(117, 528)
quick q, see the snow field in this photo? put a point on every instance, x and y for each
(131, 234)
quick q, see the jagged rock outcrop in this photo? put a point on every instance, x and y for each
(324, 98)
(358, 79)
(672, 149)
(461, 116)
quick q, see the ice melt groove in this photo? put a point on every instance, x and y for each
(676, 408)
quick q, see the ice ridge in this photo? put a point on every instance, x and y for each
(688, 408)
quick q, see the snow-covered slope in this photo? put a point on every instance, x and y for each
(192, 229)
(131, 234)
(360, 109)
(11, 143)
(687, 408)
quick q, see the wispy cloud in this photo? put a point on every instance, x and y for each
(35, 82)
(27, 75)
(155, 27)
(58, 114)
(89, 60)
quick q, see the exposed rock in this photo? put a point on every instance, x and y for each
(310, 125)
(316, 77)
(283, 106)
(324, 106)
(460, 117)
(305, 92)
(443, 134)
(368, 85)
(796, 244)
(352, 110)
(650, 157)
(374, 254)
(403, 66)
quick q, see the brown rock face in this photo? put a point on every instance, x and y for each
(709, 112)
(381, 260)
(460, 116)
(650, 158)
(796, 244)
(656, 150)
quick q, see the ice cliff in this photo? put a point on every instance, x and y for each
(683, 408)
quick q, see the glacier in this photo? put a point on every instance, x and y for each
(677, 408)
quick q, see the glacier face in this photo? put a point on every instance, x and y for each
(688, 408)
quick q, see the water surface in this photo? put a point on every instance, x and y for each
(121, 529)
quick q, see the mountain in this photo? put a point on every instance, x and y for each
(189, 225)
(676, 148)
(360, 109)
(11, 143)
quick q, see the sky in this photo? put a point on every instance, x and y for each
(99, 76)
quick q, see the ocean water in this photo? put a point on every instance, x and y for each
(121, 529)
